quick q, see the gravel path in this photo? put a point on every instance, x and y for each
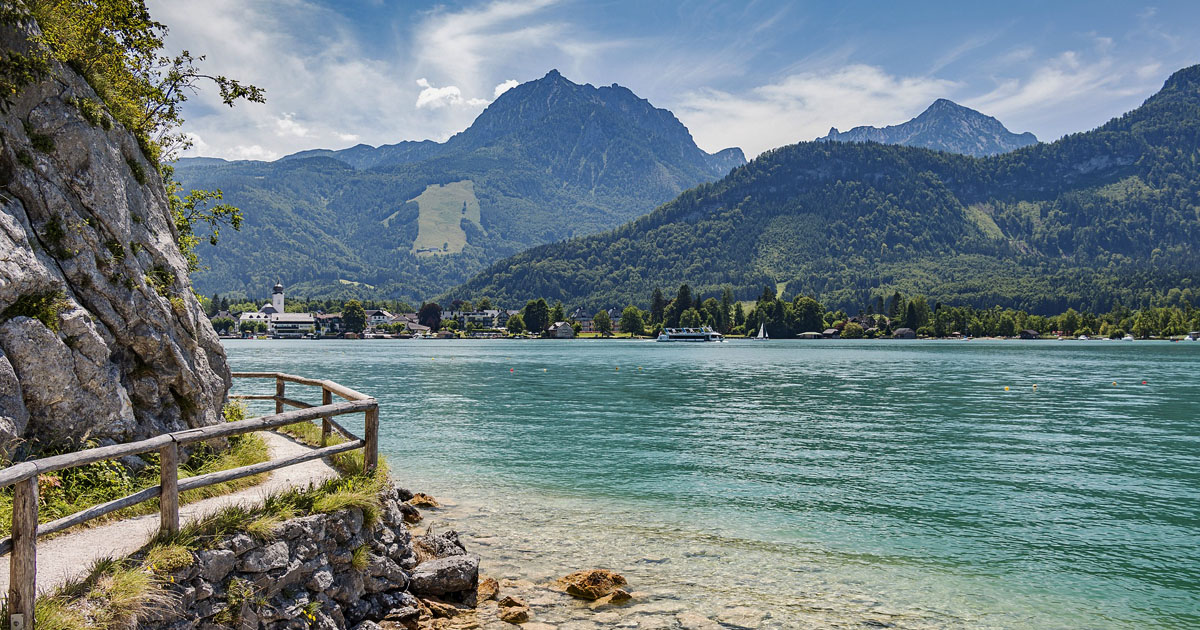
(64, 557)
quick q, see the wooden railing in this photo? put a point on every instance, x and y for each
(24, 476)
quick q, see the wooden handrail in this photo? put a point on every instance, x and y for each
(24, 476)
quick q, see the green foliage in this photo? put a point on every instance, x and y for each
(852, 331)
(139, 173)
(516, 324)
(430, 314)
(602, 322)
(361, 558)
(161, 279)
(40, 141)
(44, 306)
(223, 324)
(118, 48)
(632, 322)
(1092, 221)
(25, 159)
(537, 316)
(354, 316)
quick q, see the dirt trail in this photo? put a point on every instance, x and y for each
(69, 556)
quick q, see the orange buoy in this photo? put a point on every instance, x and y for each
(1006, 388)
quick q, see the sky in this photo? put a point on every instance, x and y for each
(751, 74)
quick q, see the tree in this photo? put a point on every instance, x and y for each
(726, 320)
(808, 315)
(223, 324)
(683, 299)
(430, 315)
(558, 313)
(354, 316)
(516, 324)
(690, 319)
(537, 316)
(631, 321)
(484, 304)
(852, 331)
(657, 305)
(602, 322)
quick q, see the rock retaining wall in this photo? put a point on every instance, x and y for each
(305, 575)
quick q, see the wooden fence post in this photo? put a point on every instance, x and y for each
(168, 501)
(326, 399)
(22, 580)
(279, 385)
(371, 435)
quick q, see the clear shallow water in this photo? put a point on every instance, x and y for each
(830, 483)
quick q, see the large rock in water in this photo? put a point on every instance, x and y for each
(100, 334)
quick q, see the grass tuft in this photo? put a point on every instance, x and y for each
(360, 559)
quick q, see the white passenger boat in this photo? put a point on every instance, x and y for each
(690, 334)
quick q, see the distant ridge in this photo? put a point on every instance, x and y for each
(943, 126)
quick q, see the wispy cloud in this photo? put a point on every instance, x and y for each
(804, 106)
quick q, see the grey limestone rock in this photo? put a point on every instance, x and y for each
(452, 574)
(215, 564)
(120, 349)
(259, 560)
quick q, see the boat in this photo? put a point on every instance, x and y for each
(690, 334)
(1083, 337)
(1193, 336)
(1127, 338)
(762, 334)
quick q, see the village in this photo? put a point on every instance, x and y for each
(273, 321)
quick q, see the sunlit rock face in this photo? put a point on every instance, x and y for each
(101, 336)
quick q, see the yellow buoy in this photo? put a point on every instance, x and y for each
(1114, 383)
(618, 368)
(1006, 388)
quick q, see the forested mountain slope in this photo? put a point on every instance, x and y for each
(1097, 217)
(547, 160)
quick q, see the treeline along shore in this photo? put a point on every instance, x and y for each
(1173, 315)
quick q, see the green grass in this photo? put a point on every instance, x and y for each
(69, 491)
(442, 210)
(114, 594)
(349, 463)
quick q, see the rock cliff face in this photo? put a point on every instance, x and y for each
(944, 126)
(100, 334)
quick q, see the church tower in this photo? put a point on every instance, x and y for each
(277, 298)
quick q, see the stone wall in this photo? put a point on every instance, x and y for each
(304, 576)
(100, 333)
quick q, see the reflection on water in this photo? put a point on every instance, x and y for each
(826, 482)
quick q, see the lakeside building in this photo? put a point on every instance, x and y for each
(561, 330)
(330, 323)
(292, 325)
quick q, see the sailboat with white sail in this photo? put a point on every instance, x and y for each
(762, 334)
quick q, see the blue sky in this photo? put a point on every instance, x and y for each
(750, 74)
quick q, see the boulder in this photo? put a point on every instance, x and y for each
(452, 574)
(441, 545)
(421, 499)
(591, 584)
(265, 559)
(615, 598)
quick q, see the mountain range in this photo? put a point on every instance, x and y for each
(943, 126)
(1105, 217)
(547, 160)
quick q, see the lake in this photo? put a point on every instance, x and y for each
(825, 482)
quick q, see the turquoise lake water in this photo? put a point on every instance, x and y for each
(831, 483)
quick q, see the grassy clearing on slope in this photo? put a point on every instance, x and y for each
(69, 491)
(442, 210)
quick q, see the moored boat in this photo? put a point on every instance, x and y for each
(690, 334)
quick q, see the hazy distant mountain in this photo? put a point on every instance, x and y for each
(549, 159)
(1094, 219)
(944, 126)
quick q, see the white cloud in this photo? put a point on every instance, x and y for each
(504, 87)
(348, 137)
(804, 106)
(287, 126)
(434, 97)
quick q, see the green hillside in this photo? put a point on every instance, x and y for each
(1110, 215)
(546, 161)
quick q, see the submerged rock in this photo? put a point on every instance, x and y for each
(514, 610)
(488, 589)
(591, 584)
